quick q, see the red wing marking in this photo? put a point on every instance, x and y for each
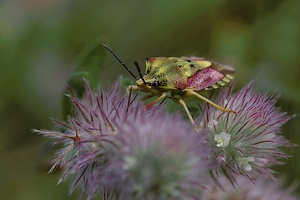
(204, 78)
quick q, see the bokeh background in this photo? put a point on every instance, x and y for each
(40, 41)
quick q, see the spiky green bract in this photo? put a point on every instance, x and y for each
(263, 189)
(248, 142)
(157, 157)
(114, 148)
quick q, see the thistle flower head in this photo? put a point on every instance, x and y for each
(88, 131)
(158, 157)
(247, 142)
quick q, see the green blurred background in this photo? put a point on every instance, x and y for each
(40, 41)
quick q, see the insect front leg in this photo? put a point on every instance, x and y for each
(181, 102)
(132, 87)
(192, 92)
(163, 95)
(148, 96)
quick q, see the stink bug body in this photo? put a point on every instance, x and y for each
(176, 78)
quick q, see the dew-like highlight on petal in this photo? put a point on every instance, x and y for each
(243, 162)
(222, 139)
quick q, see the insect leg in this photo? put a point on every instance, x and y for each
(181, 102)
(132, 87)
(148, 96)
(163, 95)
(191, 92)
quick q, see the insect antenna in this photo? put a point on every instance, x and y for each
(120, 61)
(139, 71)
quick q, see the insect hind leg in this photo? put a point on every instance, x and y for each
(181, 102)
(191, 92)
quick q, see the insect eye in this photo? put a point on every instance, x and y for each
(154, 84)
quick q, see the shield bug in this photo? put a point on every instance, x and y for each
(176, 78)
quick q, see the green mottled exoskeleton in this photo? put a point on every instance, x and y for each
(176, 78)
